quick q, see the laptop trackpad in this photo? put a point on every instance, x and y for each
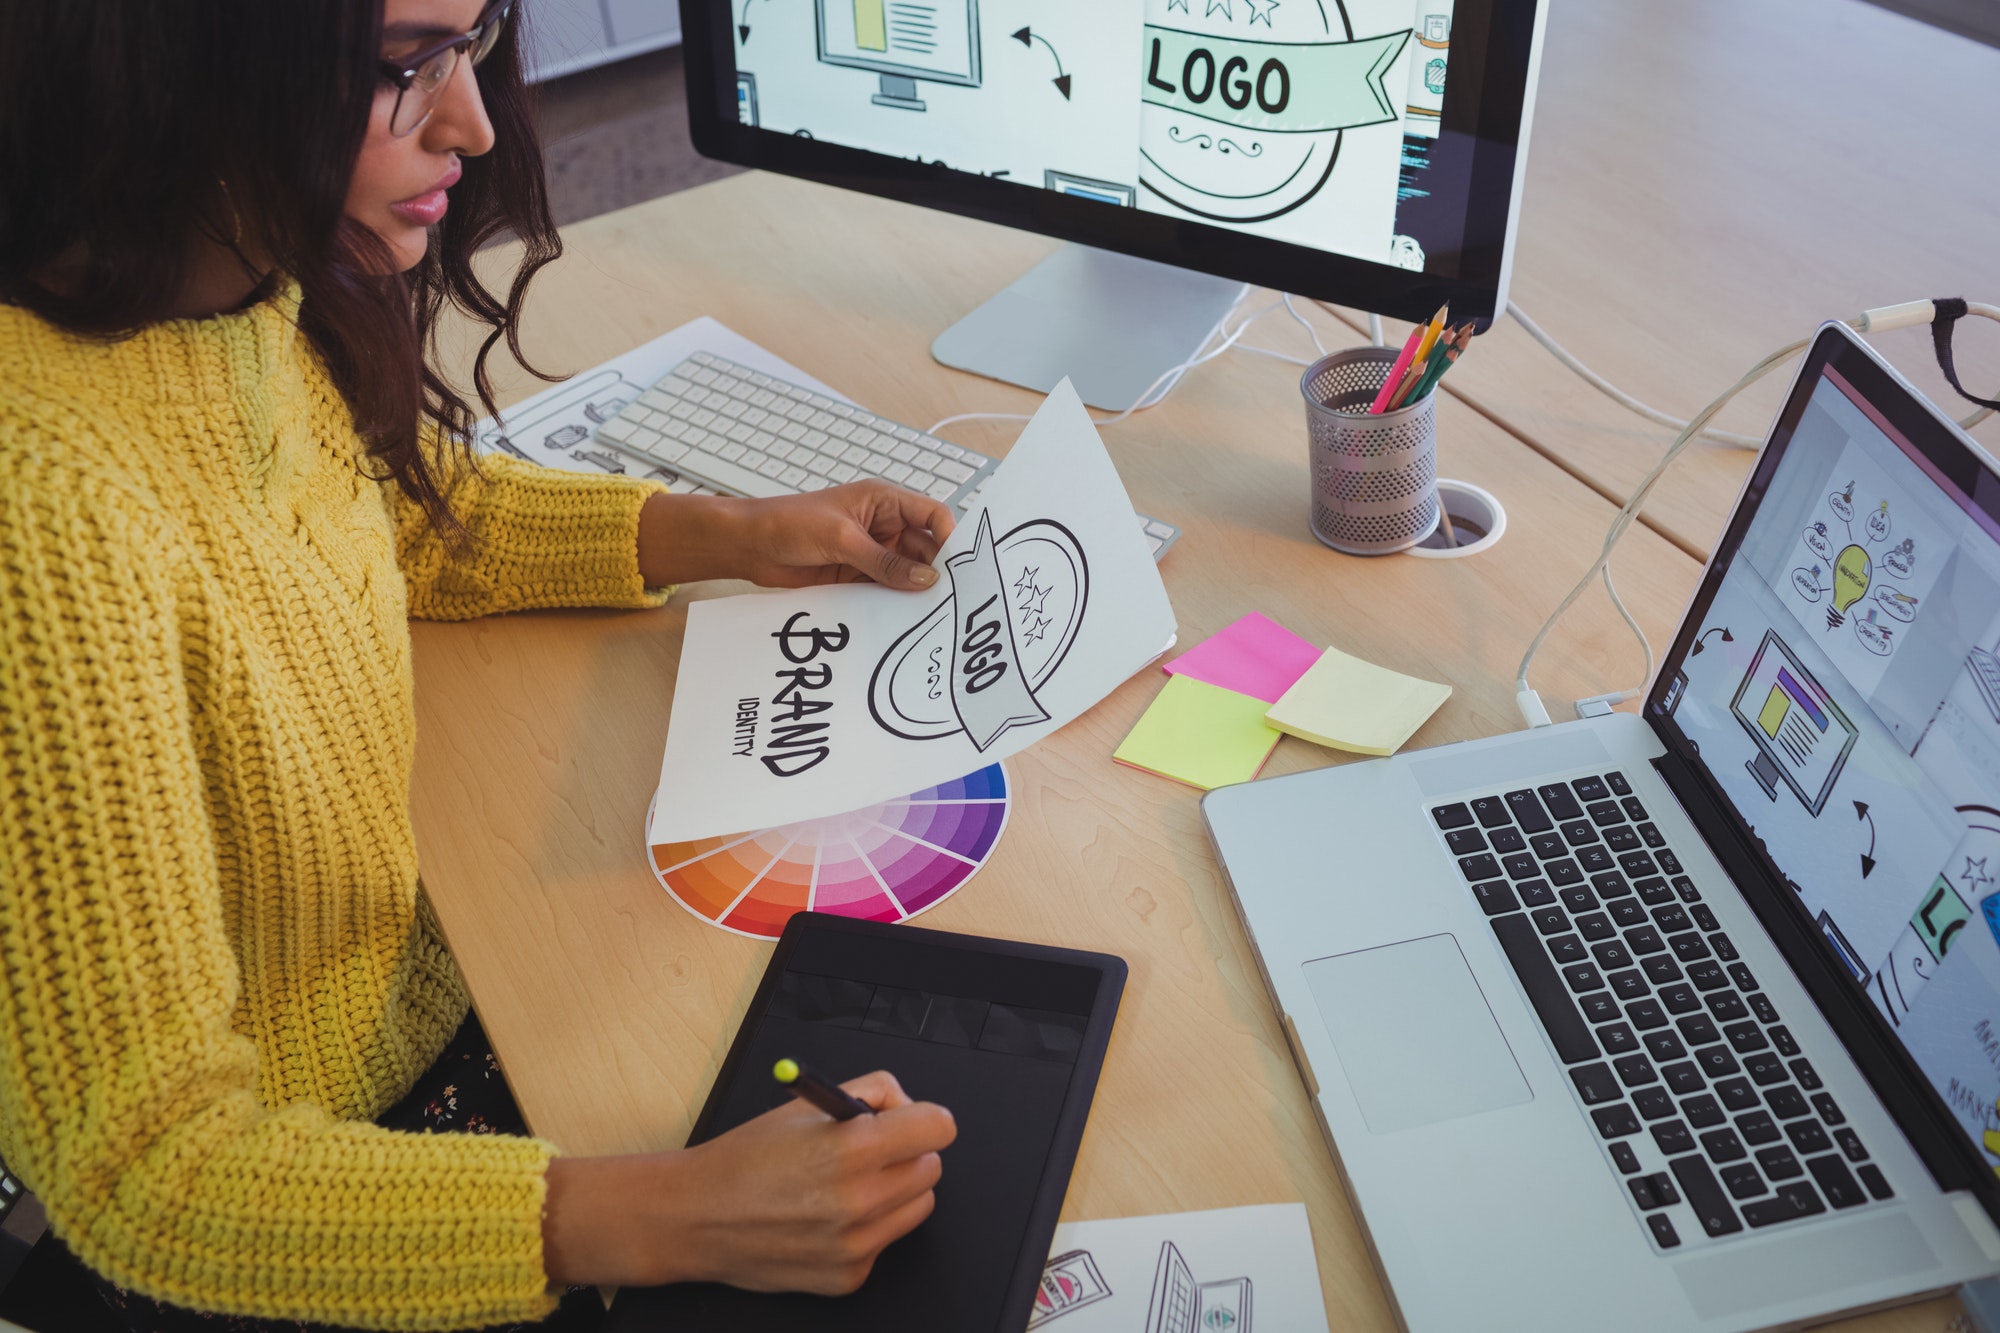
(1417, 1041)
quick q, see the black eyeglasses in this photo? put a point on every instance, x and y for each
(421, 78)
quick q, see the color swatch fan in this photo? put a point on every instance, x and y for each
(883, 862)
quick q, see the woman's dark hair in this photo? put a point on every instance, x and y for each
(128, 127)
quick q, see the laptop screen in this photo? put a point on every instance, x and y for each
(1841, 686)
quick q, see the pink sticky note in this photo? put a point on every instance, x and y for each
(1255, 656)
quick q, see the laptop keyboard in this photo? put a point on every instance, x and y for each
(1704, 1104)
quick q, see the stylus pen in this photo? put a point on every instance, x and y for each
(808, 1086)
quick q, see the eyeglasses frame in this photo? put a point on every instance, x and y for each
(400, 74)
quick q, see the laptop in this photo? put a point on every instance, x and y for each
(1688, 1019)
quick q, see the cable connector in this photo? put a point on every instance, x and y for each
(1532, 711)
(1905, 316)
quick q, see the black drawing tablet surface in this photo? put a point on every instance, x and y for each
(1009, 1036)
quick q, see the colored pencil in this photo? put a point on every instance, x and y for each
(1441, 361)
(1395, 376)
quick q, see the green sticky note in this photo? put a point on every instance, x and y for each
(1200, 734)
(1350, 704)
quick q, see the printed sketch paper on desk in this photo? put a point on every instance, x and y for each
(793, 705)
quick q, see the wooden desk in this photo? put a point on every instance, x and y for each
(1710, 180)
(541, 734)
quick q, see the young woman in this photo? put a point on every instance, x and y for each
(227, 477)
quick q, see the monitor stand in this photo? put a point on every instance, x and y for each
(1111, 323)
(898, 92)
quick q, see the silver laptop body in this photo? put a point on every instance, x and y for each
(1718, 1045)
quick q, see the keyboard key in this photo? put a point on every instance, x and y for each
(1643, 1195)
(1527, 811)
(1702, 1111)
(1476, 868)
(1689, 946)
(1704, 917)
(1850, 1144)
(1599, 1008)
(1673, 1136)
(1787, 1103)
(1579, 832)
(1684, 1077)
(1727, 1006)
(1778, 1163)
(1582, 977)
(1807, 1076)
(1629, 985)
(1590, 789)
(1627, 913)
(1698, 1030)
(1567, 1031)
(1595, 927)
(1617, 1038)
(1615, 1122)
(1686, 889)
(1664, 1046)
(1705, 1196)
(1635, 1071)
(1842, 1191)
(1495, 897)
(1790, 1202)
(1621, 838)
(1707, 975)
(1737, 1094)
(1633, 810)
(1877, 1183)
(1507, 839)
(1645, 940)
(1679, 998)
(1566, 949)
(1535, 892)
(1564, 871)
(1548, 846)
(1672, 918)
(1520, 866)
(1807, 1136)
(1722, 1145)
(1549, 920)
(1757, 1127)
(1760, 1003)
(1654, 1103)
(1764, 1068)
(1650, 835)
(1662, 969)
(1603, 813)
(1654, 892)
(1724, 947)
(1828, 1108)
(1610, 884)
(1594, 859)
(1596, 1085)
(1716, 1061)
(1645, 1014)
(1624, 1158)
(1669, 862)
(1638, 865)
(1490, 811)
(1745, 1037)
(1578, 899)
(1559, 803)
(1743, 1181)
(1619, 786)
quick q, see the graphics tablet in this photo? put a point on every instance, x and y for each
(1009, 1036)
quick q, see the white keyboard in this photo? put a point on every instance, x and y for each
(711, 426)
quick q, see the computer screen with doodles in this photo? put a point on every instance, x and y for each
(1843, 690)
(1383, 131)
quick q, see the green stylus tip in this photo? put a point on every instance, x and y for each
(785, 1071)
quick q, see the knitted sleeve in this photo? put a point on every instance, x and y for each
(541, 537)
(127, 1101)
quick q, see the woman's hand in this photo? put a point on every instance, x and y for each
(791, 1201)
(864, 531)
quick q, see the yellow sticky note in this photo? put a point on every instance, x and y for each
(1350, 704)
(1200, 734)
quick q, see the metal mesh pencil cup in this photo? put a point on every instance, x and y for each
(1374, 478)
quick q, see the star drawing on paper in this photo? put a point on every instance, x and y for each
(1261, 15)
(1036, 630)
(1975, 874)
(1027, 579)
(1214, 5)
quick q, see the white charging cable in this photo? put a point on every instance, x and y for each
(1533, 711)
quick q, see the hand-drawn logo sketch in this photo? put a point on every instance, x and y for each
(1245, 104)
(1181, 1305)
(1070, 1281)
(974, 663)
(1802, 737)
(902, 41)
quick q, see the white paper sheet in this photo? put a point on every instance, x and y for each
(1228, 1270)
(797, 704)
(554, 427)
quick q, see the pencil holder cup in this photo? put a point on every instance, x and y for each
(1374, 478)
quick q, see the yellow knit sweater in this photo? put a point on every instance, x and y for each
(215, 963)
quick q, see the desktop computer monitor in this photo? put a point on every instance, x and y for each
(1365, 152)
